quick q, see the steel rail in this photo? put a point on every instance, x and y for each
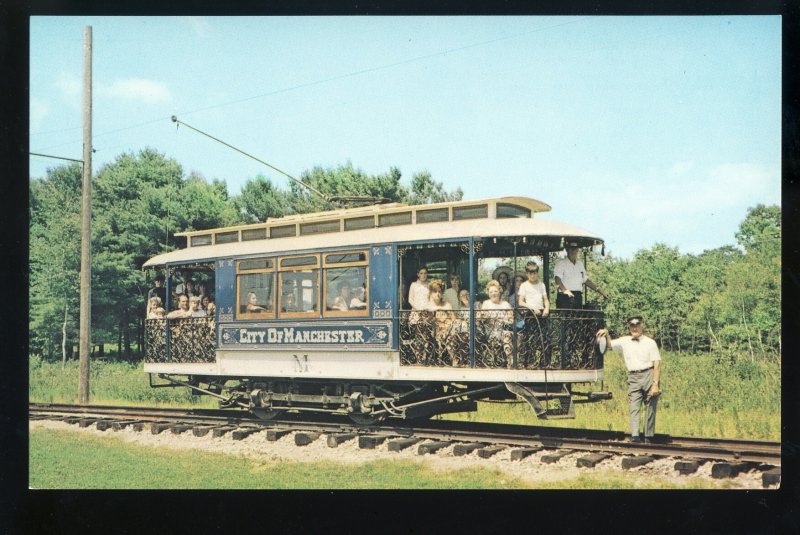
(502, 434)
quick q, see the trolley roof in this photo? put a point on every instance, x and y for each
(394, 223)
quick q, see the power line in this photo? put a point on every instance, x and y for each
(325, 80)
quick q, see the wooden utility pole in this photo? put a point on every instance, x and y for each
(86, 223)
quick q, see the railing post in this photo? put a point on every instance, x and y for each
(473, 288)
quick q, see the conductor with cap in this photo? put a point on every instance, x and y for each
(570, 274)
(643, 362)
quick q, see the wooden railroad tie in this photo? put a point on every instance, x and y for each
(403, 443)
(122, 424)
(687, 467)
(337, 438)
(72, 419)
(489, 451)
(550, 458)
(771, 477)
(633, 462)
(138, 426)
(433, 447)
(203, 430)
(180, 428)
(465, 449)
(86, 422)
(727, 470)
(220, 431)
(304, 438)
(520, 453)
(273, 435)
(240, 434)
(158, 427)
(103, 425)
(591, 460)
(370, 442)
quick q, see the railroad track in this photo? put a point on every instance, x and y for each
(729, 457)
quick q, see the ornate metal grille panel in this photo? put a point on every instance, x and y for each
(503, 339)
(190, 340)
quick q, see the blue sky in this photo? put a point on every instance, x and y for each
(640, 129)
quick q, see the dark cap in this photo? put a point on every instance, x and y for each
(159, 277)
(635, 319)
(571, 243)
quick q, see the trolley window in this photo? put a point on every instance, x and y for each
(255, 289)
(390, 220)
(319, 228)
(299, 282)
(433, 216)
(226, 237)
(346, 284)
(505, 210)
(254, 234)
(202, 239)
(357, 223)
(470, 212)
(284, 231)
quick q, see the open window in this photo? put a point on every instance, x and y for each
(346, 284)
(299, 282)
(255, 294)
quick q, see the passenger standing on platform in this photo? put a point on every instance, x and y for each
(157, 290)
(532, 293)
(570, 274)
(643, 362)
(183, 308)
(194, 308)
(418, 293)
(451, 294)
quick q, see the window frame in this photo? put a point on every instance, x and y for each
(255, 315)
(340, 265)
(287, 269)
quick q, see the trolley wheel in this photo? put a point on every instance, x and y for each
(266, 414)
(366, 419)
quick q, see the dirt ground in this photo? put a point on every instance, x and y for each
(530, 469)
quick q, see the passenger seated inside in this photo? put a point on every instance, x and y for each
(159, 313)
(289, 304)
(252, 306)
(342, 301)
(359, 301)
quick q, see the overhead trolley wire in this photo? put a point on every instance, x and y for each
(322, 81)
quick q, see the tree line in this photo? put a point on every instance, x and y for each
(138, 202)
(726, 299)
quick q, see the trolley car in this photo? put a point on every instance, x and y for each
(280, 340)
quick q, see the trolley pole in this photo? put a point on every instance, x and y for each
(86, 224)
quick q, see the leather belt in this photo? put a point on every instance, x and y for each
(642, 370)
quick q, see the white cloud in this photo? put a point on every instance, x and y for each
(200, 25)
(38, 111)
(69, 85)
(681, 168)
(136, 89)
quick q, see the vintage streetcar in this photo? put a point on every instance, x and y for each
(311, 313)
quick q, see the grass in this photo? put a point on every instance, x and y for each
(703, 395)
(111, 463)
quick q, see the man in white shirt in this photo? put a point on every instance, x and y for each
(643, 362)
(570, 274)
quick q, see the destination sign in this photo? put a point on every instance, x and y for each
(339, 334)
